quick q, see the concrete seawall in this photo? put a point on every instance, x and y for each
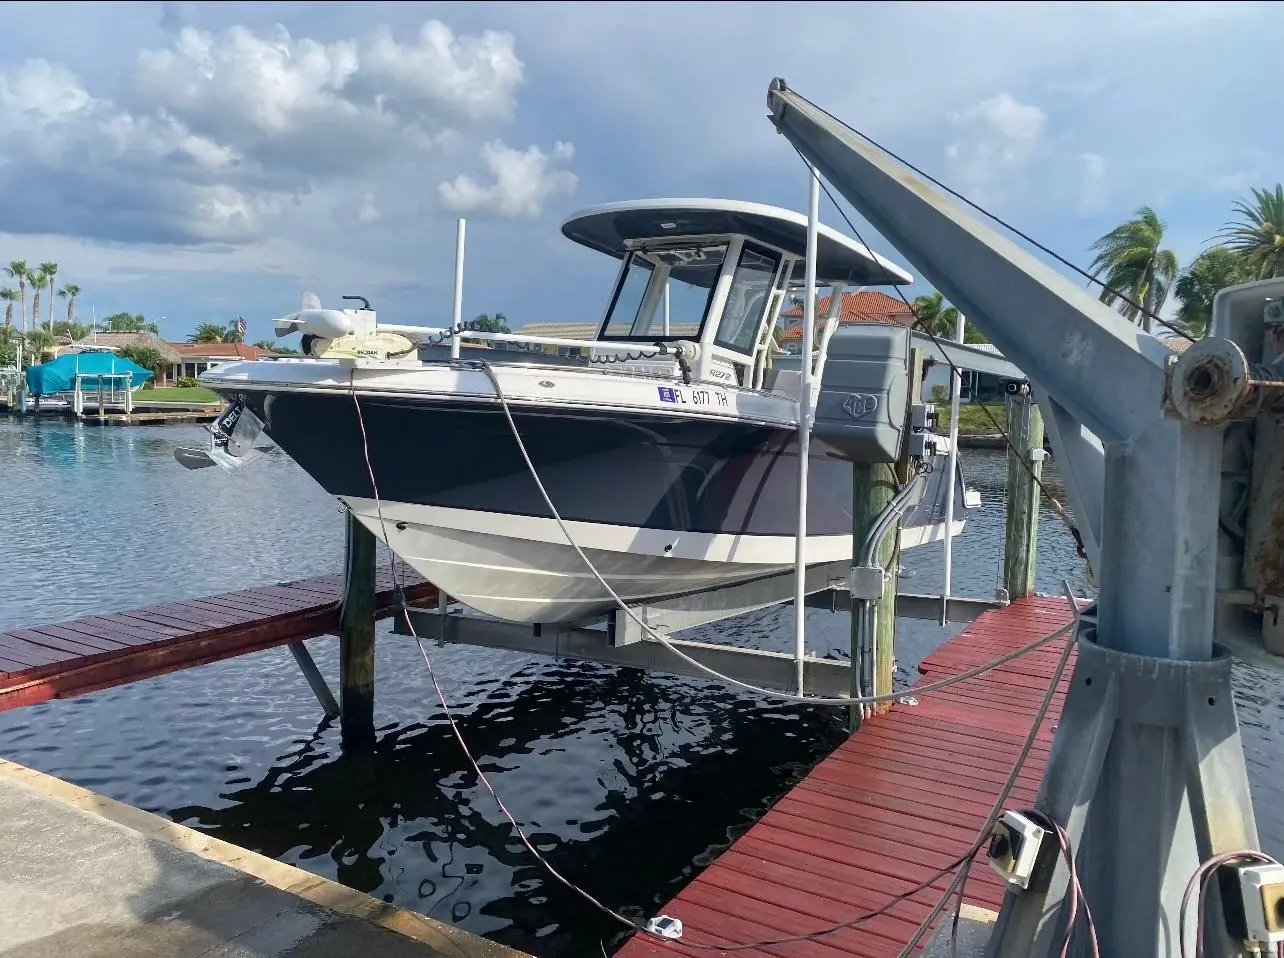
(84, 876)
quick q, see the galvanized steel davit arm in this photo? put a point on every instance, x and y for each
(1147, 772)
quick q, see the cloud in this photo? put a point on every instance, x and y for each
(995, 139)
(221, 135)
(521, 181)
(1092, 190)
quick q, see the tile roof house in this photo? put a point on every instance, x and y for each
(192, 359)
(864, 306)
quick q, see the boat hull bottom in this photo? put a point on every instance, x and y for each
(545, 580)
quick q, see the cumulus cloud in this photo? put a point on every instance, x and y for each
(521, 181)
(1092, 189)
(995, 139)
(221, 133)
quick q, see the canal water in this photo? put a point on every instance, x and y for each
(629, 783)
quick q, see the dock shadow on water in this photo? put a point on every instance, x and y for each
(629, 783)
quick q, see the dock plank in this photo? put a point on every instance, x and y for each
(894, 803)
(44, 662)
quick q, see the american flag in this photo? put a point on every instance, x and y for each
(240, 325)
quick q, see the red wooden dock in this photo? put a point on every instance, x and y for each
(899, 800)
(99, 651)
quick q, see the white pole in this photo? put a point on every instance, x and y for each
(666, 306)
(804, 429)
(458, 313)
(956, 387)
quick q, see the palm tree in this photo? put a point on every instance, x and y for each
(1213, 270)
(37, 280)
(130, 323)
(933, 315)
(9, 297)
(18, 270)
(208, 333)
(1135, 267)
(69, 293)
(40, 342)
(491, 324)
(50, 270)
(1258, 236)
(73, 331)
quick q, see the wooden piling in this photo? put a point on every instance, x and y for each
(357, 639)
(873, 487)
(1025, 427)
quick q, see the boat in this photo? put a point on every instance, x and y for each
(667, 442)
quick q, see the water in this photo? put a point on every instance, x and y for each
(629, 783)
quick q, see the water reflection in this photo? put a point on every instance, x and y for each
(630, 783)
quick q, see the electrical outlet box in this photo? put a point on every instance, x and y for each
(1261, 890)
(922, 445)
(1014, 848)
(867, 583)
(922, 416)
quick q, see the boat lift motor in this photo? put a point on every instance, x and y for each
(863, 402)
(1174, 467)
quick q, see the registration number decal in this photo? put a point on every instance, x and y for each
(692, 396)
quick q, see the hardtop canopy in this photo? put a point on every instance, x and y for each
(616, 228)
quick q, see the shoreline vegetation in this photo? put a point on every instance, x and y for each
(972, 418)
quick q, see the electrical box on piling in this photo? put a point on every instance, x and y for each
(864, 392)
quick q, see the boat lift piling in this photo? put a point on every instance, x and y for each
(1025, 467)
(357, 639)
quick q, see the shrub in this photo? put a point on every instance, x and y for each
(187, 382)
(940, 395)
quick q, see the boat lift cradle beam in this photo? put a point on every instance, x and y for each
(1147, 771)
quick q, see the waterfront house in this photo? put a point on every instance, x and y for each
(192, 359)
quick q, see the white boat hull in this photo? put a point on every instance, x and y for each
(524, 569)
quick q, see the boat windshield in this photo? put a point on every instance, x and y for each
(639, 309)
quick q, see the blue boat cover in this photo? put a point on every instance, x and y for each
(59, 374)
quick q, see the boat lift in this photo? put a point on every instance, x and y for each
(1174, 466)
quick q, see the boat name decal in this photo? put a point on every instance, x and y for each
(859, 405)
(692, 397)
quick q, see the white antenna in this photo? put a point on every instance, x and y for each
(458, 312)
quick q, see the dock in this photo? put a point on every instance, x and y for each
(91, 877)
(900, 799)
(45, 662)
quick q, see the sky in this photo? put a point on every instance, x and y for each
(196, 162)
